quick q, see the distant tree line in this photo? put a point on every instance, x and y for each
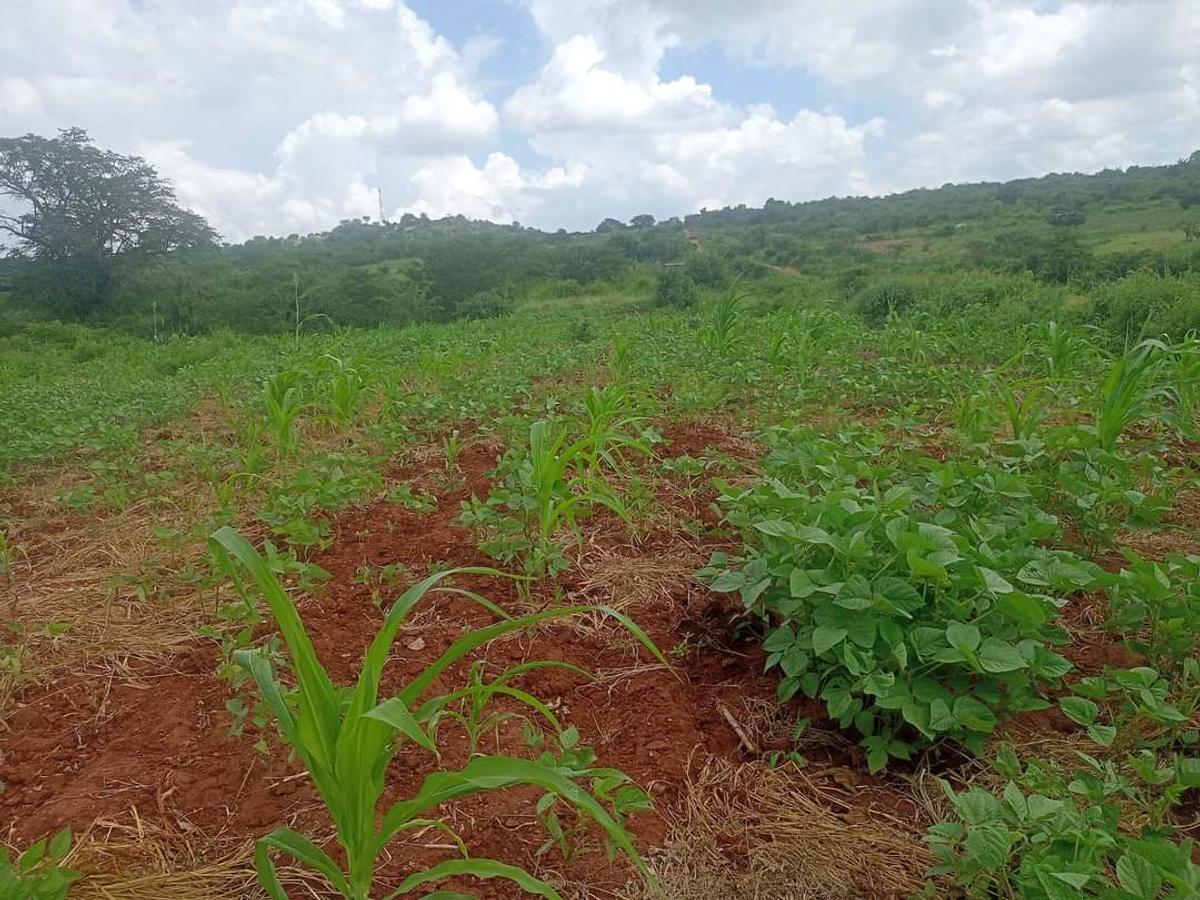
(93, 236)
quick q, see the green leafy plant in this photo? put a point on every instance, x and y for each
(471, 707)
(346, 390)
(1062, 348)
(347, 738)
(546, 491)
(1155, 605)
(38, 873)
(451, 448)
(675, 288)
(615, 427)
(281, 395)
(1183, 373)
(1128, 393)
(1024, 407)
(912, 606)
(723, 331)
(1049, 837)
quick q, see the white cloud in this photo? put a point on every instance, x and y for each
(576, 91)
(285, 115)
(499, 190)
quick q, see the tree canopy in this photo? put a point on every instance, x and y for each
(81, 213)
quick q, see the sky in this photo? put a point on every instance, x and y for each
(281, 116)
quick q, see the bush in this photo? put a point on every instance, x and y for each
(1143, 305)
(881, 299)
(675, 288)
(708, 269)
(483, 305)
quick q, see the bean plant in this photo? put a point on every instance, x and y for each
(917, 607)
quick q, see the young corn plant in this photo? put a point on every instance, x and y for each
(471, 708)
(282, 398)
(1128, 394)
(6, 576)
(613, 420)
(558, 494)
(544, 494)
(1061, 348)
(1023, 410)
(1183, 375)
(724, 332)
(346, 390)
(347, 738)
(451, 448)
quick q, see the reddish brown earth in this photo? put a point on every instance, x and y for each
(87, 748)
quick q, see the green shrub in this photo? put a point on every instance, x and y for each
(675, 288)
(1057, 835)
(484, 305)
(881, 299)
(1143, 305)
(708, 269)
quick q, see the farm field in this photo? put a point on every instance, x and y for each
(761, 596)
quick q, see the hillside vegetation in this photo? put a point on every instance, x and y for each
(842, 549)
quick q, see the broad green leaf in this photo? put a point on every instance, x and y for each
(825, 638)
(810, 534)
(1137, 875)
(800, 585)
(1022, 608)
(972, 714)
(964, 638)
(987, 845)
(998, 656)
(854, 594)
(940, 717)
(1079, 710)
(776, 528)
(994, 582)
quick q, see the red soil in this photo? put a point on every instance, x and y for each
(88, 747)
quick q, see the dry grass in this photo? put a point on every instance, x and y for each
(749, 832)
(1158, 545)
(108, 581)
(134, 860)
(1185, 511)
(626, 576)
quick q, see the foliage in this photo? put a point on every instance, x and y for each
(878, 301)
(347, 738)
(550, 485)
(912, 605)
(723, 332)
(1048, 837)
(708, 270)
(675, 288)
(281, 395)
(1128, 393)
(83, 213)
(38, 873)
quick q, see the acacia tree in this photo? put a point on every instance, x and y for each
(77, 216)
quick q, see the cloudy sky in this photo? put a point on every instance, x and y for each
(279, 116)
